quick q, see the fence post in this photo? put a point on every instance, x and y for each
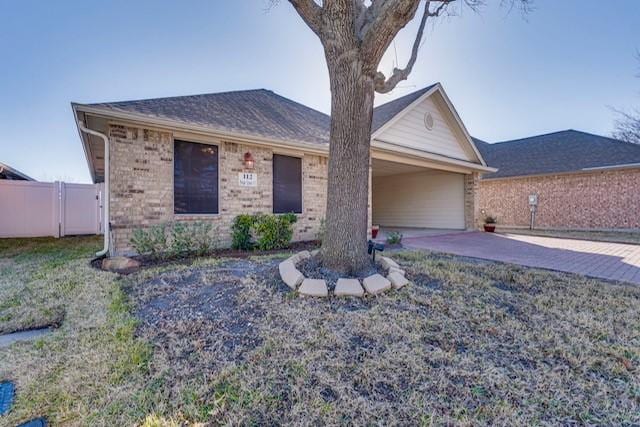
(61, 209)
(55, 190)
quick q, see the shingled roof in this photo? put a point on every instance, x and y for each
(258, 112)
(559, 152)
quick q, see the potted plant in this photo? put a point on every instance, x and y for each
(374, 231)
(490, 224)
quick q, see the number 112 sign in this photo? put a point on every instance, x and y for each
(247, 179)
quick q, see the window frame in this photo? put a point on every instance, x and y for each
(192, 140)
(273, 192)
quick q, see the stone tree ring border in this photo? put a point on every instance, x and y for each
(373, 285)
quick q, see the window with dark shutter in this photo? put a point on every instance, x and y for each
(287, 184)
(195, 178)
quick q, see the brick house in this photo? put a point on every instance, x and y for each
(581, 181)
(211, 157)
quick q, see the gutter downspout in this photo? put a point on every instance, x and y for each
(105, 138)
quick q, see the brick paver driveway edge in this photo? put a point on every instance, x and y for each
(612, 261)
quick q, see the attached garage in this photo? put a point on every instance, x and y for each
(418, 197)
(425, 167)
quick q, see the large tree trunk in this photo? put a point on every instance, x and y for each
(344, 247)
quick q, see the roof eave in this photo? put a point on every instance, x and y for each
(83, 140)
(318, 148)
(15, 172)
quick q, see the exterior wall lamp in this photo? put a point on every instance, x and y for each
(248, 162)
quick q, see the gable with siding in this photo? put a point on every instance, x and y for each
(408, 129)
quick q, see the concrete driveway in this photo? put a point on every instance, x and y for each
(613, 261)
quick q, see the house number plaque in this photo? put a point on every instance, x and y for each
(247, 179)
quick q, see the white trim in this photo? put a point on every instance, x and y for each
(179, 128)
(85, 143)
(144, 121)
(408, 151)
(461, 124)
(403, 112)
(436, 88)
(623, 166)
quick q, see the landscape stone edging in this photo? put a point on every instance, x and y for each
(376, 283)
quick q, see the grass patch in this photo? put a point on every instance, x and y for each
(88, 370)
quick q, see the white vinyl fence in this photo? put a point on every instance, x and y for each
(35, 209)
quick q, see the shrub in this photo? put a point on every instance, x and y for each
(192, 238)
(151, 241)
(394, 238)
(186, 239)
(241, 232)
(490, 219)
(273, 231)
(205, 237)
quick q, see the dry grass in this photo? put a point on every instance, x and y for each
(632, 237)
(88, 370)
(35, 281)
(469, 343)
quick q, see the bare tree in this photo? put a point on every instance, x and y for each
(627, 126)
(355, 35)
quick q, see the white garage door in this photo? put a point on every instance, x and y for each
(430, 199)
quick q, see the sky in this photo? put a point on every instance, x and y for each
(566, 64)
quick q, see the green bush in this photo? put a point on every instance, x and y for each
(186, 239)
(262, 231)
(394, 237)
(189, 238)
(151, 241)
(273, 231)
(241, 232)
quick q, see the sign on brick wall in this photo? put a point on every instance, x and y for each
(247, 179)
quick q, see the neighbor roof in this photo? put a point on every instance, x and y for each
(258, 112)
(559, 152)
(7, 172)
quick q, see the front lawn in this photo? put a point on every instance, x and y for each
(222, 340)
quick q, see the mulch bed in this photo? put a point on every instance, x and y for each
(147, 261)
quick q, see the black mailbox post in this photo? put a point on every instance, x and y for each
(373, 247)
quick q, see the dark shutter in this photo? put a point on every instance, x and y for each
(287, 184)
(195, 178)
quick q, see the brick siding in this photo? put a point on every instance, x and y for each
(594, 200)
(471, 206)
(141, 168)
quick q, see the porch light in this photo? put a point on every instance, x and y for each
(248, 161)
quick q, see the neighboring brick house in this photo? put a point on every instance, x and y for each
(582, 181)
(212, 157)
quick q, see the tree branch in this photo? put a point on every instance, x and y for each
(310, 12)
(384, 19)
(384, 86)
